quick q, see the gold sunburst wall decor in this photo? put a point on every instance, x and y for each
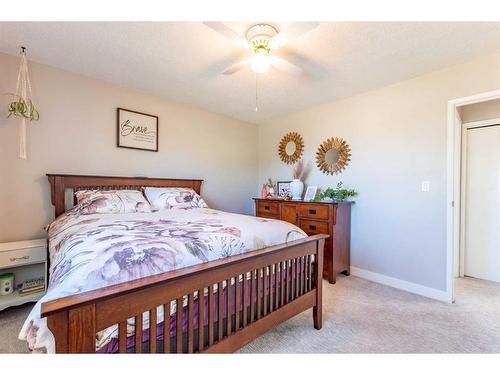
(333, 156)
(291, 148)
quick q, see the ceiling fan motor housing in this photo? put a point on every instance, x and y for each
(259, 36)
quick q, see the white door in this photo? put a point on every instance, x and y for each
(482, 210)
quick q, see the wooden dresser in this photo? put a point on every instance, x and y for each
(329, 218)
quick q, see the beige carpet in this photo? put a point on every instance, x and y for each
(365, 317)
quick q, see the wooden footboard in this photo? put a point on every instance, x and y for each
(285, 280)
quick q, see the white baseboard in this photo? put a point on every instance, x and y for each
(407, 286)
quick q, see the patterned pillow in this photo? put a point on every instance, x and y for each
(167, 198)
(111, 202)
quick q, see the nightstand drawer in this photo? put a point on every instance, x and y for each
(314, 211)
(19, 257)
(314, 227)
(267, 208)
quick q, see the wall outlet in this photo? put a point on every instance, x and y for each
(426, 185)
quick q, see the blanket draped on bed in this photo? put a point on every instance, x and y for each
(93, 251)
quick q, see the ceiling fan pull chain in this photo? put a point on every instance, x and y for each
(256, 92)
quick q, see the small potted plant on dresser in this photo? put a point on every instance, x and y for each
(23, 271)
(339, 194)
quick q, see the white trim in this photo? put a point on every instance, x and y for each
(477, 124)
(407, 286)
(453, 183)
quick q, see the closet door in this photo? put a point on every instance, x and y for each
(482, 211)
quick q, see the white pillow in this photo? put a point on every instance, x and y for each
(168, 198)
(111, 202)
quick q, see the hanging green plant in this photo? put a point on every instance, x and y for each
(23, 108)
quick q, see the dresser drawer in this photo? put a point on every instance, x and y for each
(314, 211)
(267, 208)
(314, 227)
(20, 257)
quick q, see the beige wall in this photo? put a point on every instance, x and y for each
(77, 134)
(398, 139)
(480, 111)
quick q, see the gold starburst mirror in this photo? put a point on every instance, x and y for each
(333, 155)
(291, 147)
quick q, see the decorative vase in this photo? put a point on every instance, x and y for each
(296, 188)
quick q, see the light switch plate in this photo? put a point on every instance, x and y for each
(426, 185)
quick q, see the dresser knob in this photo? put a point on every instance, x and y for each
(312, 212)
(312, 227)
(266, 208)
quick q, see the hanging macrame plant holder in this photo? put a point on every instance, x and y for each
(23, 106)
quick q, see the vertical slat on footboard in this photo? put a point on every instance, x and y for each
(265, 288)
(258, 290)
(228, 307)
(294, 278)
(201, 318)
(237, 302)
(252, 296)
(138, 333)
(274, 305)
(178, 331)
(282, 283)
(288, 279)
(308, 272)
(210, 315)
(166, 327)
(245, 300)
(220, 306)
(190, 323)
(152, 330)
(299, 277)
(122, 337)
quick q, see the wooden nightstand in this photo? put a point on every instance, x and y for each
(26, 260)
(332, 218)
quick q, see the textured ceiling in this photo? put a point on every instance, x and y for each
(183, 60)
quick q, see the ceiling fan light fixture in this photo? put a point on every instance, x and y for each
(261, 61)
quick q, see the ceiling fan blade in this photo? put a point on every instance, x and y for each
(227, 32)
(294, 30)
(285, 66)
(235, 67)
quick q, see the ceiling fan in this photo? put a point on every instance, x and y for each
(264, 40)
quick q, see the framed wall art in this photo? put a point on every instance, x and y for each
(137, 130)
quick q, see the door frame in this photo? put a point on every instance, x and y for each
(453, 183)
(460, 265)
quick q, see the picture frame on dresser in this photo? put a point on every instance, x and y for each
(283, 188)
(310, 193)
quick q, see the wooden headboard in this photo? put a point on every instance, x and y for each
(60, 183)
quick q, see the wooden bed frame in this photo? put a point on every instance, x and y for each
(287, 278)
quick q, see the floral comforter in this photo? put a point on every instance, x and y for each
(92, 251)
